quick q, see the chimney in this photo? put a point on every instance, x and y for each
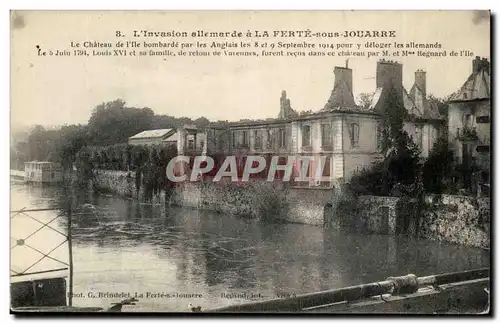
(476, 64)
(341, 95)
(283, 102)
(389, 73)
(343, 74)
(420, 80)
(485, 65)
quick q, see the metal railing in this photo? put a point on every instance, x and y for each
(67, 238)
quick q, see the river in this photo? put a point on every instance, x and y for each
(207, 259)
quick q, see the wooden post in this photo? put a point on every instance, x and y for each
(70, 252)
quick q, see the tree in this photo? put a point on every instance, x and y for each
(84, 166)
(439, 168)
(71, 139)
(220, 124)
(441, 104)
(400, 167)
(41, 142)
(403, 155)
(365, 99)
(113, 123)
(201, 122)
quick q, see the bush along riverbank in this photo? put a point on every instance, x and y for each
(137, 172)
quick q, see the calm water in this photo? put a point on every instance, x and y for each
(122, 246)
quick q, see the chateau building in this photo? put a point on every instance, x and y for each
(469, 119)
(343, 135)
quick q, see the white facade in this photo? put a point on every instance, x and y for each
(42, 172)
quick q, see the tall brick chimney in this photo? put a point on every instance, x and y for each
(283, 102)
(341, 95)
(420, 80)
(485, 64)
(479, 64)
(389, 73)
(343, 74)
(476, 64)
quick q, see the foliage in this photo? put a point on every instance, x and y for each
(401, 163)
(438, 170)
(270, 203)
(372, 181)
(148, 162)
(71, 139)
(112, 122)
(84, 166)
(365, 99)
(441, 104)
(40, 143)
(110, 125)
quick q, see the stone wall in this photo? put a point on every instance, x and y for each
(307, 205)
(122, 184)
(378, 214)
(254, 199)
(117, 182)
(455, 219)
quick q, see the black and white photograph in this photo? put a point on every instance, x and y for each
(250, 162)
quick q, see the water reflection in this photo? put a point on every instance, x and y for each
(124, 246)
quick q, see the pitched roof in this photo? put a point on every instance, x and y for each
(341, 97)
(375, 99)
(172, 138)
(426, 109)
(380, 96)
(154, 133)
(415, 103)
(476, 87)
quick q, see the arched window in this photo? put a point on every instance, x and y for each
(354, 130)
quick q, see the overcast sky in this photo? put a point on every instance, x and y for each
(64, 90)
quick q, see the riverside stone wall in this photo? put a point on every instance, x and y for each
(456, 219)
(447, 218)
(378, 214)
(118, 182)
(254, 199)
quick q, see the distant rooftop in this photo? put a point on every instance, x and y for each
(154, 133)
(172, 138)
(478, 85)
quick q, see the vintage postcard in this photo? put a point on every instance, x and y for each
(250, 162)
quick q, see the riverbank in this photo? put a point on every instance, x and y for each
(136, 247)
(461, 220)
(255, 199)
